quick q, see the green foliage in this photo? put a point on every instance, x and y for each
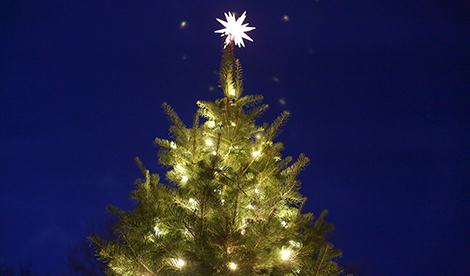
(232, 205)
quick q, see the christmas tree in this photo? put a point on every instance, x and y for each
(232, 204)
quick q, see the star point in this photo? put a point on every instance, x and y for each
(234, 29)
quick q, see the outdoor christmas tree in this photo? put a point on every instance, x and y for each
(232, 204)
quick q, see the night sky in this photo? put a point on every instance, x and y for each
(378, 92)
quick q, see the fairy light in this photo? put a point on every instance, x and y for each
(285, 254)
(295, 244)
(232, 266)
(211, 124)
(184, 178)
(243, 232)
(233, 124)
(192, 201)
(283, 223)
(179, 262)
(157, 230)
(256, 190)
(214, 152)
(232, 92)
(209, 143)
(251, 206)
(256, 153)
(173, 145)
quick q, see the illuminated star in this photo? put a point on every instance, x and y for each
(234, 30)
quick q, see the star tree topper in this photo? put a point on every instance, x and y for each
(234, 30)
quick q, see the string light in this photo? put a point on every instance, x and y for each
(209, 143)
(285, 254)
(214, 152)
(158, 232)
(283, 223)
(211, 124)
(256, 153)
(233, 124)
(232, 92)
(184, 178)
(179, 262)
(295, 244)
(192, 201)
(232, 266)
(173, 145)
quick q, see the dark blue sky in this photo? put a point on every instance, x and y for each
(378, 92)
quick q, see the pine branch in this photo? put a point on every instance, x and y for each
(134, 252)
(249, 100)
(208, 110)
(238, 78)
(226, 71)
(273, 129)
(179, 128)
(194, 135)
(322, 259)
(143, 170)
(257, 111)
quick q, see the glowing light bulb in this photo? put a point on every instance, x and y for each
(232, 266)
(232, 92)
(243, 232)
(285, 254)
(283, 223)
(184, 178)
(192, 201)
(179, 262)
(223, 201)
(256, 153)
(157, 230)
(209, 143)
(173, 145)
(214, 152)
(251, 207)
(295, 244)
(256, 190)
(233, 124)
(211, 124)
